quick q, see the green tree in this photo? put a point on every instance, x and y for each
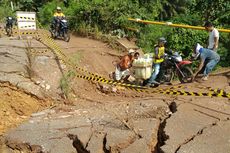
(171, 8)
(217, 11)
(5, 10)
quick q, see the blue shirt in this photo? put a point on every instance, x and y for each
(207, 54)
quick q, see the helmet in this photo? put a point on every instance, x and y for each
(59, 8)
(162, 39)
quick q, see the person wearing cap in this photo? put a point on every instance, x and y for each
(213, 36)
(208, 60)
(158, 59)
(122, 68)
(57, 16)
(58, 12)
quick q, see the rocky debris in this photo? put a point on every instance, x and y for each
(105, 88)
(94, 129)
(43, 84)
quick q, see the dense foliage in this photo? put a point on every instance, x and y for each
(110, 16)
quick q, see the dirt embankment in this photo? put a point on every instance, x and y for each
(16, 106)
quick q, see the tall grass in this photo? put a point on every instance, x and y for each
(67, 78)
(30, 57)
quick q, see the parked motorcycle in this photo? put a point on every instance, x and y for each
(60, 30)
(9, 26)
(174, 65)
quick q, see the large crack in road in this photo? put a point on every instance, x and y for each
(189, 123)
(162, 136)
(101, 137)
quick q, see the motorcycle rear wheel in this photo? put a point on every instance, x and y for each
(9, 32)
(52, 32)
(187, 75)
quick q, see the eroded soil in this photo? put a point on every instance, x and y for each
(16, 106)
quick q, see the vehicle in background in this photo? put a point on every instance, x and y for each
(60, 30)
(9, 26)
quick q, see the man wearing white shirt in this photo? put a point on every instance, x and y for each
(213, 36)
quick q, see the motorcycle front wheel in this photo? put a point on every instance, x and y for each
(66, 36)
(188, 74)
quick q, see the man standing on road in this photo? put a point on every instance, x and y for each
(213, 36)
(208, 60)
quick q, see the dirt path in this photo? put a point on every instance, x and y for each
(95, 57)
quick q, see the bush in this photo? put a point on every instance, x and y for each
(184, 40)
(149, 36)
(5, 10)
(46, 12)
(224, 49)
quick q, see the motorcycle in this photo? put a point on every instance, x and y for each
(60, 30)
(174, 65)
(9, 26)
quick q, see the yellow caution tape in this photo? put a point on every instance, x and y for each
(97, 78)
(48, 41)
(218, 91)
(166, 91)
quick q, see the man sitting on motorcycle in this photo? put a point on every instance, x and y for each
(9, 21)
(122, 69)
(208, 60)
(9, 25)
(57, 17)
(158, 59)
